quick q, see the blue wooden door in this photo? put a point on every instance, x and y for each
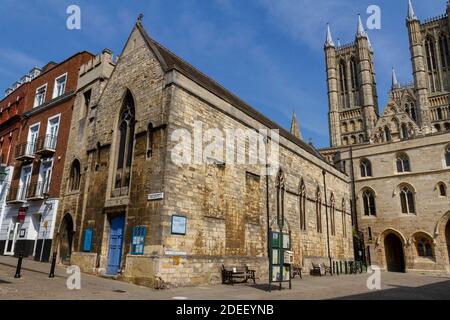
(115, 245)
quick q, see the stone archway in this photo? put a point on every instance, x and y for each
(395, 256)
(66, 239)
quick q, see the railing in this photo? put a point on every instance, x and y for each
(46, 143)
(25, 151)
(17, 194)
(38, 190)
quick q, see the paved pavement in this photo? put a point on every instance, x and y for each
(35, 284)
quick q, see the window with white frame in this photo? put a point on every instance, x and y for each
(24, 182)
(60, 86)
(33, 133)
(40, 95)
(52, 132)
(45, 176)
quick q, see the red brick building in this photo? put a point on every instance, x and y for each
(36, 155)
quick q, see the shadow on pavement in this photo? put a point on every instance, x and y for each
(436, 291)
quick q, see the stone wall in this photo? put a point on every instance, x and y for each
(225, 204)
(428, 168)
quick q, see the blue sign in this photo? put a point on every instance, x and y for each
(87, 245)
(137, 247)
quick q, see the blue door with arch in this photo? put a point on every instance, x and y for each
(115, 244)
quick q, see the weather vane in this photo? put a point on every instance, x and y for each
(140, 17)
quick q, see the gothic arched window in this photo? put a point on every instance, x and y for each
(126, 129)
(345, 141)
(332, 216)
(366, 168)
(343, 77)
(439, 114)
(352, 126)
(445, 54)
(387, 134)
(407, 200)
(424, 248)
(405, 134)
(442, 189)
(354, 74)
(280, 197)
(431, 54)
(75, 176)
(447, 156)
(344, 220)
(302, 201)
(343, 84)
(149, 141)
(369, 203)
(403, 164)
(319, 210)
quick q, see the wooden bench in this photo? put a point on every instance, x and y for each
(319, 269)
(243, 273)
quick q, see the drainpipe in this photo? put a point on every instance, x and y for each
(326, 215)
(266, 140)
(352, 176)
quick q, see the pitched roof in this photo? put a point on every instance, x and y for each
(169, 61)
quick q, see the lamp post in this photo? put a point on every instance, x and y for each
(46, 196)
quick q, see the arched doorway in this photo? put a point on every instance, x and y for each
(395, 258)
(65, 239)
(447, 237)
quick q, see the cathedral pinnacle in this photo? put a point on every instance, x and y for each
(411, 14)
(361, 32)
(329, 42)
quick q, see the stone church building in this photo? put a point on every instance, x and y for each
(129, 210)
(398, 161)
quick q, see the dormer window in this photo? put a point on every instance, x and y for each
(40, 96)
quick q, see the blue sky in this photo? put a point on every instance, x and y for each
(268, 52)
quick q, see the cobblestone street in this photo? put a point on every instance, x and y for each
(35, 284)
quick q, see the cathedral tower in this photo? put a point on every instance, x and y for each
(352, 94)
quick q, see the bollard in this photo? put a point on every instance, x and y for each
(52, 269)
(340, 267)
(337, 267)
(19, 266)
(346, 267)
